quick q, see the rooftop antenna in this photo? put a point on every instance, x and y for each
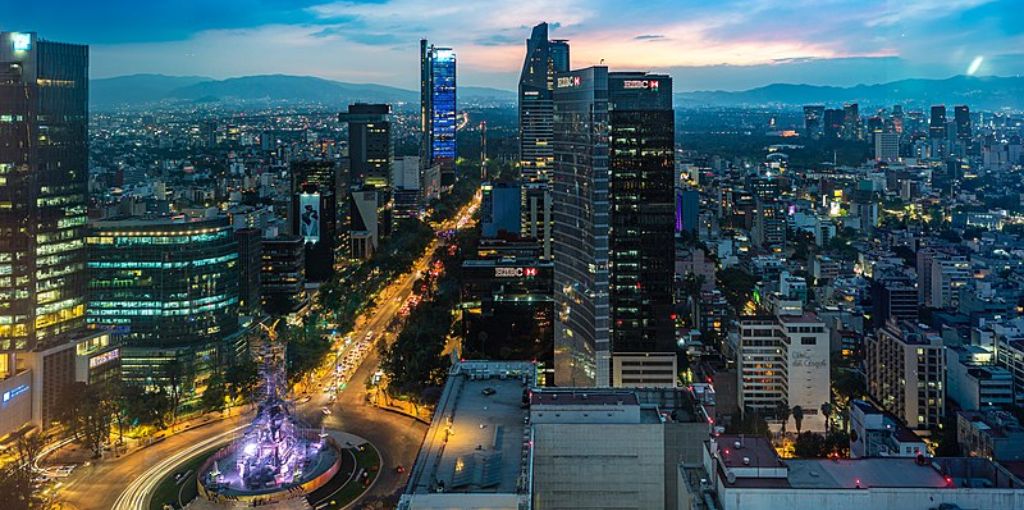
(602, 60)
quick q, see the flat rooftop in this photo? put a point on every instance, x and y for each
(868, 472)
(477, 441)
(583, 397)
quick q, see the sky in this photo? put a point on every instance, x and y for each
(704, 44)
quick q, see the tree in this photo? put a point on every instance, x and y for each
(16, 486)
(809, 445)
(782, 413)
(826, 410)
(798, 417)
(737, 286)
(215, 393)
(174, 375)
(242, 379)
(96, 417)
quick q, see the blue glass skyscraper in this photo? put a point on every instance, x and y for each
(437, 109)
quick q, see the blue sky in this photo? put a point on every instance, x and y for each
(725, 44)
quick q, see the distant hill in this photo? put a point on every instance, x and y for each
(139, 90)
(978, 92)
(136, 88)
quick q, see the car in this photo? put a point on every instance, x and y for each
(400, 469)
(488, 391)
(326, 410)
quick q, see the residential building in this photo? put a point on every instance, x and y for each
(906, 367)
(876, 433)
(991, 433)
(784, 359)
(973, 381)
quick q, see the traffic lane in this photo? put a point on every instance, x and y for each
(98, 486)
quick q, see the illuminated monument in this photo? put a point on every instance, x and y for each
(277, 458)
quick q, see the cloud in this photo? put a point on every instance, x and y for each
(376, 40)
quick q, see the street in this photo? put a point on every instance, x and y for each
(99, 486)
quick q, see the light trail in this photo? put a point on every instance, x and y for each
(139, 492)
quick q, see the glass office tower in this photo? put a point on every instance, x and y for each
(544, 59)
(44, 159)
(580, 232)
(438, 110)
(613, 209)
(169, 289)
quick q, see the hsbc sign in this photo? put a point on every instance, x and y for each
(640, 84)
(514, 272)
(569, 81)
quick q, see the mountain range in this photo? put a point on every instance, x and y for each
(987, 92)
(146, 89)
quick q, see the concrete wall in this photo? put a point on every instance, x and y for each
(861, 499)
(599, 466)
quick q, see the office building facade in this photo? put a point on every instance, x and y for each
(544, 59)
(641, 203)
(499, 209)
(44, 91)
(580, 228)
(169, 289)
(283, 274)
(438, 109)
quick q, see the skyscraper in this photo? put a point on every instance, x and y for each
(580, 231)
(314, 214)
(851, 122)
(814, 115)
(438, 109)
(937, 123)
(613, 207)
(544, 58)
(371, 155)
(962, 119)
(44, 158)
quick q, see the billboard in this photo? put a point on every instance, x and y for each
(309, 217)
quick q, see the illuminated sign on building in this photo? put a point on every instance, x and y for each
(569, 81)
(21, 42)
(514, 272)
(309, 217)
(14, 393)
(640, 84)
(104, 358)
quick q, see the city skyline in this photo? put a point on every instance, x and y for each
(733, 46)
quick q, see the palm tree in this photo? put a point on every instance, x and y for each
(826, 410)
(782, 412)
(798, 417)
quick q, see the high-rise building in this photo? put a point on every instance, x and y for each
(536, 222)
(887, 146)
(406, 188)
(641, 204)
(364, 232)
(499, 209)
(937, 123)
(814, 117)
(250, 248)
(44, 163)
(906, 367)
(44, 160)
(833, 125)
(438, 109)
(371, 150)
(544, 59)
(314, 215)
(962, 119)
(687, 211)
(894, 298)
(613, 211)
(580, 228)
(169, 289)
(283, 274)
(784, 359)
(851, 122)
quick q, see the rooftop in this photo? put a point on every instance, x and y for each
(477, 442)
(864, 473)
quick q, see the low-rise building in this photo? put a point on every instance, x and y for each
(745, 473)
(991, 433)
(876, 433)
